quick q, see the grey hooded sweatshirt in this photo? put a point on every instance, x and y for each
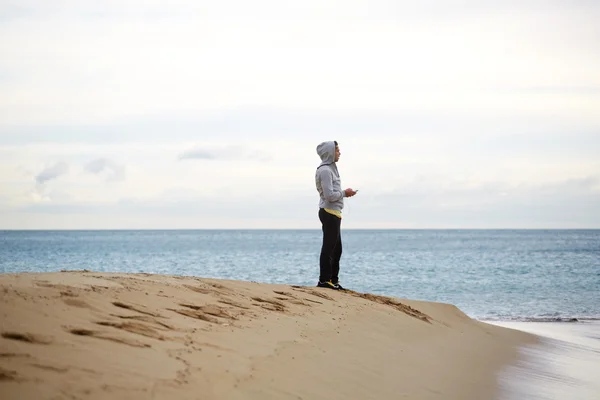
(327, 178)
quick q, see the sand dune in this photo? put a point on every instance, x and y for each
(87, 335)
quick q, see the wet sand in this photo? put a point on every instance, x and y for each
(564, 364)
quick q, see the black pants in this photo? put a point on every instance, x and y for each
(331, 250)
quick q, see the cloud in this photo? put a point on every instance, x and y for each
(365, 61)
(409, 89)
(231, 152)
(431, 203)
(114, 172)
(52, 172)
(422, 204)
(198, 154)
(237, 125)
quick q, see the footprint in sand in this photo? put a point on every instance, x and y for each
(145, 318)
(394, 304)
(313, 292)
(60, 370)
(106, 336)
(135, 308)
(208, 312)
(14, 355)
(7, 375)
(199, 289)
(26, 337)
(283, 293)
(211, 288)
(272, 305)
(134, 327)
(234, 304)
(290, 298)
(77, 303)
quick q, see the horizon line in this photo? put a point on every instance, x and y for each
(291, 229)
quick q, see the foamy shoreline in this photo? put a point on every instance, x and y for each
(563, 364)
(137, 336)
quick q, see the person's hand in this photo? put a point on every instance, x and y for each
(350, 192)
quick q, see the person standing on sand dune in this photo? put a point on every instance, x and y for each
(331, 203)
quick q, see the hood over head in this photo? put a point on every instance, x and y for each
(326, 151)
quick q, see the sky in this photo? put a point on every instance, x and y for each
(191, 114)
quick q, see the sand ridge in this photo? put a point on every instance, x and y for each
(87, 335)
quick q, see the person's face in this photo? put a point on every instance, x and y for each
(337, 153)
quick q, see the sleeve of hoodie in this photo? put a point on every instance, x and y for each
(326, 177)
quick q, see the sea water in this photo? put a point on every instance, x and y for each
(543, 281)
(488, 274)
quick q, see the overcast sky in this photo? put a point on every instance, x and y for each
(207, 114)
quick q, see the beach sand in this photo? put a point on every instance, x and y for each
(88, 335)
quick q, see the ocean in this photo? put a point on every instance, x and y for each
(543, 281)
(505, 275)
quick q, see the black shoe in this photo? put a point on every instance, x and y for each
(339, 286)
(327, 285)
